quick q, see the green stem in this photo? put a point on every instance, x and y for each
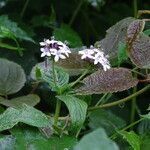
(120, 101)
(135, 8)
(126, 128)
(24, 8)
(57, 112)
(101, 99)
(75, 12)
(79, 79)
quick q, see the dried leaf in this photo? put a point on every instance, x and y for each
(112, 80)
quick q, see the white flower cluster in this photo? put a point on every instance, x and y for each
(59, 50)
(97, 56)
(54, 48)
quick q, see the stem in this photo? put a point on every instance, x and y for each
(75, 12)
(101, 99)
(24, 8)
(79, 79)
(127, 127)
(135, 8)
(120, 101)
(141, 12)
(57, 112)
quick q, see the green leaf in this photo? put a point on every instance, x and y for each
(96, 140)
(105, 119)
(147, 32)
(9, 28)
(145, 142)
(12, 77)
(132, 138)
(26, 114)
(33, 139)
(30, 100)
(66, 33)
(77, 109)
(7, 142)
(147, 116)
(144, 126)
(122, 55)
(112, 80)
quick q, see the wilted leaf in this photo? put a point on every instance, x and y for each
(12, 77)
(18, 102)
(112, 80)
(26, 114)
(66, 33)
(96, 140)
(105, 119)
(115, 34)
(77, 109)
(132, 138)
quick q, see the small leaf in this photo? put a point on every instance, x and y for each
(122, 55)
(77, 109)
(132, 138)
(18, 102)
(12, 77)
(26, 114)
(66, 33)
(147, 32)
(147, 116)
(112, 80)
(105, 119)
(96, 140)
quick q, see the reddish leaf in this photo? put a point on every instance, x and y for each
(112, 80)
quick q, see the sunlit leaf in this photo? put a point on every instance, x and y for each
(12, 77)
(26, 114)
(147, 116)
(96, 140)
(132, 138)
(77, 109)
(112, 80)
(30, 100)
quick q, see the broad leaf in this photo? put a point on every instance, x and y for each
(66, 33)
(144, 126)
(134, 29)
(7, 142)
(26, 114)
(33, 139)
(145, 142)
(9, 28)
(12, 77)
(18, 102)
(112, 80)
(147, 32)
(147, 116)
(105, 119)
(96, 140)
(77, 109)
(139, 51)
(132, 138)
(115, 35)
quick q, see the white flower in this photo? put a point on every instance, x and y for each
(55, 48)
(87, 53)
(100, 58)
(97, 56)
(57, 54)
